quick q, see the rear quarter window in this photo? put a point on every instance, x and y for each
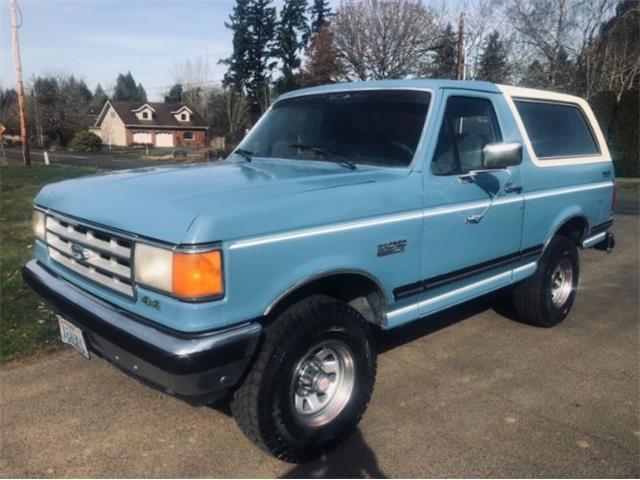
(556, 129)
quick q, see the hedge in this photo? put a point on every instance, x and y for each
(620, 123)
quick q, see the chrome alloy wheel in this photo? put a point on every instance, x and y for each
(561, 283)
(322, 383)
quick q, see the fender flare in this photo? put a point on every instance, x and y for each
(567, 215)
(326, 274)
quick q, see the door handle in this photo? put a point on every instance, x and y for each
(513, 189)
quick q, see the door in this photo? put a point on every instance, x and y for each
(164, 139)
(472, 224)
(143, 138)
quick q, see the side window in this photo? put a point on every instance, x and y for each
(556, 129)
(468, 125)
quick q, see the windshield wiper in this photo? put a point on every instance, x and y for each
(246, 154)
(328, 154)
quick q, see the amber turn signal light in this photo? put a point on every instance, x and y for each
(197, 275)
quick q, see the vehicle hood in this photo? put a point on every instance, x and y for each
(164, 203)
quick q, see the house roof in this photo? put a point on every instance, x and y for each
(162, 115)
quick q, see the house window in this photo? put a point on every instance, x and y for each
(145, 115)
(187, 135)
(113, 114)
(183, 116)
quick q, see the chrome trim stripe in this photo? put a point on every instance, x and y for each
(340, 227)
(410, 215)
(444, 296)
(564, 190)
(526, 267)
(591, 241)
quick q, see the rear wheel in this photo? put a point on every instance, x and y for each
(546, 298)
(311, 382)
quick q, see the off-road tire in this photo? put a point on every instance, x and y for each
(262, 404)
(532, 297)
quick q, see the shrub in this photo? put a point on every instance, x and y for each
(86, 141)
(626, 132)
(619, 121)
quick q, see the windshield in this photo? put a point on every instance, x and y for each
(380, 127)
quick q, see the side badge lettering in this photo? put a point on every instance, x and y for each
(390, 248)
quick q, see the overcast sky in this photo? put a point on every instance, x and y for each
(97, 39)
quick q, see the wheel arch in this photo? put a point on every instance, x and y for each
(573, 225)
(358, 288)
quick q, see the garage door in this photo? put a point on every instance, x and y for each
(142, 137)
(164, 139)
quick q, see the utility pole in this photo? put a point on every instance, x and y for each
(460, 66)
(16, 60)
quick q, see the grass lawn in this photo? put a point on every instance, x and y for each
(26, 326)
(628, 186)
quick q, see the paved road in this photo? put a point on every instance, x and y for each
(103, 160)
(462, 394)
(627, 202)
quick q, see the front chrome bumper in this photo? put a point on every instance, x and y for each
(196, 367)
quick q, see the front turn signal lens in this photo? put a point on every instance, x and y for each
(197, 275)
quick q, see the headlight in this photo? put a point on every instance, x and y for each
(38, 221)
(182, 274)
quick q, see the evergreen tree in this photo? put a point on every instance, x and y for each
(237, 73)
(445, 62)
(320, 13)
(253, 23)
(99, 97)
(174, 95)
(260, 56)
(537, 75)
(127, 90)
(76, 89)
(142, 94)
(493, 65)
(59, 105)
(292, 35)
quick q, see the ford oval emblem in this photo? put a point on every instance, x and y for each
(78, 252)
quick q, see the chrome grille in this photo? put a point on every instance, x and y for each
(99, 256)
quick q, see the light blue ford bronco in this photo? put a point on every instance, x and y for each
(347, 208)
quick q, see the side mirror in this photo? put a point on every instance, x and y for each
(501, 155)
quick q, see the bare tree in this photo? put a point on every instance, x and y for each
(618, 50)
(195, 76)
(482, 17)
(557, 31)
(237, 109)
(378, 39)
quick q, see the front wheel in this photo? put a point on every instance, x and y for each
(311, 381)
(545, 298)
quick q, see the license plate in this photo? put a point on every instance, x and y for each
(72, 335)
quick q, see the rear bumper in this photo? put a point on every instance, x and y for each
(198, 368)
